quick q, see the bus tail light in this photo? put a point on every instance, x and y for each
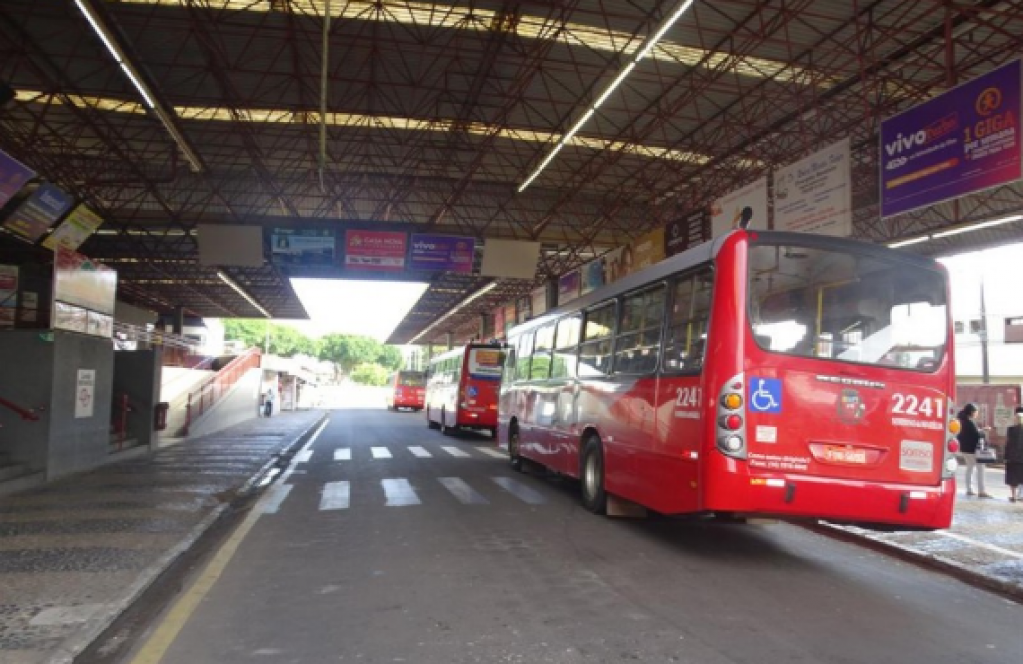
(950, 463)
(731, 422)
(731, 426)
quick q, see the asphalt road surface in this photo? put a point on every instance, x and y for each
(393, 543)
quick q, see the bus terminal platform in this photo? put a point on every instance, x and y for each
(75, 554)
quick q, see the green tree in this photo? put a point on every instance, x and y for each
(285, 341)
(390, 357)
(370, 374)
(347, 351)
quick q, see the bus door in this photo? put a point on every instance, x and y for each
(680, 398)
(543, 395)
(636, 351)
(563, 393)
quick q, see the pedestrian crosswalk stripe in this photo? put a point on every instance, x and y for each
(274, 497)
(519, 490)
(497, 454)
(462, 491)
(343, 454)
(399, 493)
(381, 452)
(420, 452)
(336, 496)
(453, 451)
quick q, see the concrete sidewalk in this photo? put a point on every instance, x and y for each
(76, 553)
(984, 545)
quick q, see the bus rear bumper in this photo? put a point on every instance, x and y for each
(900, 506)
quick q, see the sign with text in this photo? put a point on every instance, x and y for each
(684, 232)
(302, 246)
(377, 251)
(442, 253)
(76, 229)
(814, 195)
(13, 176)
(960, 142)
(727, 211)
(34, 217)
(85, 393)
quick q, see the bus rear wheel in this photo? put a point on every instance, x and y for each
(517, 462)
(594, 497)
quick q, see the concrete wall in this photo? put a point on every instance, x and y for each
(241, 404)
(138, 375)
(79, 443)
(26, 378)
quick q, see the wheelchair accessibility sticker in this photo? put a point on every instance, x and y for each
(765, 395)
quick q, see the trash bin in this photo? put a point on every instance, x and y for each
(160, 415)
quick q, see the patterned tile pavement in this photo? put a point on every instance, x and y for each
(75, 553)
(985, 542)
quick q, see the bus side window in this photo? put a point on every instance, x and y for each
(686, 338)
(638, 343)
(595, 350)
(566, 341)
(508, 374)
(540, 368)
(525, 355)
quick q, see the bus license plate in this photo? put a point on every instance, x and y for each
(837, 454)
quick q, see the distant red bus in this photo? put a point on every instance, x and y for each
(764, 373)
(462, 386)
(406, 389)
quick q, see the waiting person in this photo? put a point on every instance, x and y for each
(969, 441)
(1014, 457)
(268, 403)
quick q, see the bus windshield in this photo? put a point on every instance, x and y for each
(851, 307)
(411, 379)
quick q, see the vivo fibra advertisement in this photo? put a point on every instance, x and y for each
(960, 142)
(442, 253)
(13, 176)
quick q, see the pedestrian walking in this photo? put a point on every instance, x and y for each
(969, 441)
(1014, 457)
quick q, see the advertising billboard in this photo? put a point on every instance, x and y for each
(960, 142)
(302, 246)
(13, 176)
(446, 253)
(34, 217)
(814, 195)
(375, 251)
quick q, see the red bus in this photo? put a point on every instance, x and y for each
(462, 386)
(767, 374)
(406, 389)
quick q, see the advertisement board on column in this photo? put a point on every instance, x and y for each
(727, 211)
(814, 195)
(568, 287)
(960, 142)
(684, 232)
(8, 294)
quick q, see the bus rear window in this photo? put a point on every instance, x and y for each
(486, 363)
(411, 379)
(849, 307)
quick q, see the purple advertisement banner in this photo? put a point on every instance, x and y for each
(442, 253)
(960, 142)
(13, 176)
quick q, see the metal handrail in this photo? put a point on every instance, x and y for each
(156, 337)
(27, 414)
(202, 399)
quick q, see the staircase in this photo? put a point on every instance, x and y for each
(15, 475)
(201, 400)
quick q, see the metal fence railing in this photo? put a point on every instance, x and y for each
(211, 391)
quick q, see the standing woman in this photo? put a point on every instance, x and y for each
(1014, 456)
(969, 441)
